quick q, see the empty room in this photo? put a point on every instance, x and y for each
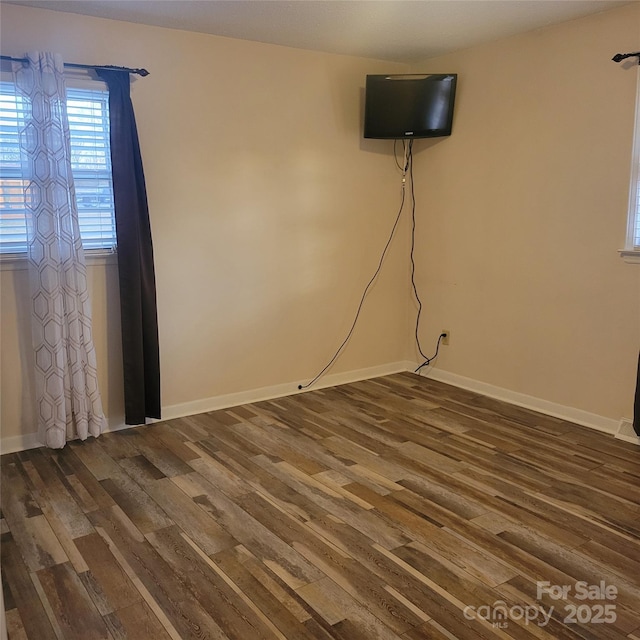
(320, 319)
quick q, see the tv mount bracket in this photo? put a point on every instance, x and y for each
(619, 57)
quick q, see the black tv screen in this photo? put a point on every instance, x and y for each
(409, 106)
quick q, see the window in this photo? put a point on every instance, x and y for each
(88, 112)
(634, 213)
(632, 248)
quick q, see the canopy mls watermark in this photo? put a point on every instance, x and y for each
(577, 603)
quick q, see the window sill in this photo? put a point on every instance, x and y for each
(94, 258)
(630, 255)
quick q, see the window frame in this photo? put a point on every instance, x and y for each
(631, 251)
(75, 80)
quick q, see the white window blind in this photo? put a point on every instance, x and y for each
(88, 113)
(633, 231)
(635, 210)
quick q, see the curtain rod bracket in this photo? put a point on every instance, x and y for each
(619, 57)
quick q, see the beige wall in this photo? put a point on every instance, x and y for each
(522, 212)
(268, 212)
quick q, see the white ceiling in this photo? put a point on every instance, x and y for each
(401, 30)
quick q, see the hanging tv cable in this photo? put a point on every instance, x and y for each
(412, 258)
(405, 168)
(404, 107)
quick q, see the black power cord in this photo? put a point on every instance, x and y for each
(406, 167)
(428, 361)
(375, 275)
(412, 251)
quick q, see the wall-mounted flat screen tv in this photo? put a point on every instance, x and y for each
(409, 106)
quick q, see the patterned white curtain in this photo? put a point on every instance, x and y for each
(68, 400)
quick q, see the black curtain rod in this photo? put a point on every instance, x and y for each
(619, 57)
(71, 65)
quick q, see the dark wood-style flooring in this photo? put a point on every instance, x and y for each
(396, 508)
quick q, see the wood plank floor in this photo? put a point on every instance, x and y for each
(397, 507)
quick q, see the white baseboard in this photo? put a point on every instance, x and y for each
(11, 444)
(571, 414)
(278, 391)
(625, 432)
(622, 429)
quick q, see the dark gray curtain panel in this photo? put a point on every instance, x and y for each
(636, 411)
(139, 318)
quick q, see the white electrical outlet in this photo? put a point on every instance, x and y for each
(447, 336)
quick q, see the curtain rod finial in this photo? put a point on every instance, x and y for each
(619, 57)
